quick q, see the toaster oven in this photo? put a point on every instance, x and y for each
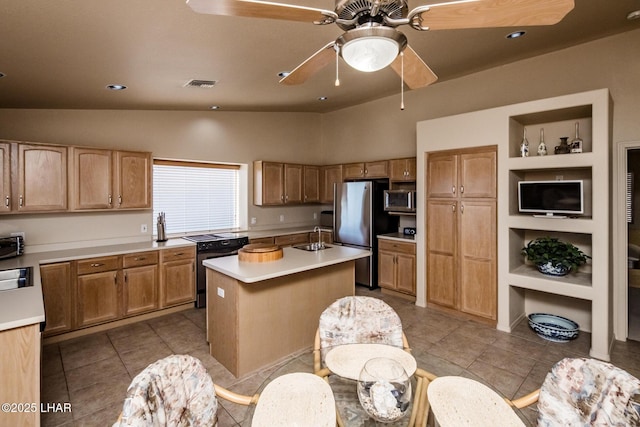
(11, 246)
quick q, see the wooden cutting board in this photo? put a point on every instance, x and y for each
(260, 252)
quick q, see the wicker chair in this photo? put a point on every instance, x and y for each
(178, 391)
(583, 391)
(367, 320)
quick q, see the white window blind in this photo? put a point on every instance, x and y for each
(196, 196)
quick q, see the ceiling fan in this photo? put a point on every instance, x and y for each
(372, 42)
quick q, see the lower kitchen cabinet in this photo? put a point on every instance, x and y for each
(397, 266)
(178, 276)
(140, 273)
(97, 291)
(57, 294)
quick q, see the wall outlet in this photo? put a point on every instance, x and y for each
(254, 220)
(281, 218)
(143, 228)
(559, 177)
(315, 215)
(221, 292)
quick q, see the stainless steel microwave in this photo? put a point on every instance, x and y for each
(400, 201)
(11, 246)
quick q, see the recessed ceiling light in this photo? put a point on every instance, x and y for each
(633, 15)
(516, 34)
(283, 74)
(214, 107)
(116, 87)
(206, 84)
(322, 98)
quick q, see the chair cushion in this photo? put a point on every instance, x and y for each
(361, 320)
(583, 392)
(174, 391)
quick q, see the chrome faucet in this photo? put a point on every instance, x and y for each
(319, 231)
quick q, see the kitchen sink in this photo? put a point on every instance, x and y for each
(312, 247)
(15, 278)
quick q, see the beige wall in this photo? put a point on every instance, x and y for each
(371, 131)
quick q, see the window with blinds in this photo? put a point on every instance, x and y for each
(196, 197)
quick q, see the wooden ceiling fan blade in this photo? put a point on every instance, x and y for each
(312, 65)
(262, 9)
(416, 73)
(489, 13)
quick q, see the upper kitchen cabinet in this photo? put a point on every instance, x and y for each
(402, 169)
(468, 175)
(379, 169)
(330, 175)
(284, 183)
(133, 172)
(311, 180)
(5, 176)
(41, 178)
(105, 179)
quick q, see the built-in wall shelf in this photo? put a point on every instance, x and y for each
(557, 161)
(576, 285)
(574, 225)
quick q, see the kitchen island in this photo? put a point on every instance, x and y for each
(260, 312)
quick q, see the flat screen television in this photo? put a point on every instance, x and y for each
(551, 198)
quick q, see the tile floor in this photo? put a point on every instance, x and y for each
(93, 372)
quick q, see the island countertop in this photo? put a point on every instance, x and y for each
(293, 261)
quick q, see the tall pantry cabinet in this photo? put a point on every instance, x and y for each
(461, 231)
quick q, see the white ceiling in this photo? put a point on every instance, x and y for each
(62, 54)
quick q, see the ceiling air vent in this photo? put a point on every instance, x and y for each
(207, 84)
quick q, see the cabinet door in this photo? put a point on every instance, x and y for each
(292, 184)
(402, 169)
(133, 179)
(442, 172)
(5, 177)
(441, 252)
(478, 175)
(140, 289)
(56, 292)
(353, 170)
(477, 248)
(178, 282)
(387, 269)
(98, 298)
(91, 179)
(269, 183)
(311, 184)
(330, 175)
(42, 177)
(406, 273)
(377, 169)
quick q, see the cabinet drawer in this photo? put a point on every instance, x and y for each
(268, 240)
(97, 265)
(140, 258)
(292, 239)
(394, 246)
(185, 252)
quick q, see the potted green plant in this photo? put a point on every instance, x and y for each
(553, 256)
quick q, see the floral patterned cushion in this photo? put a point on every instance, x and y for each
(174, 391)
(361, 320)
(588, 392)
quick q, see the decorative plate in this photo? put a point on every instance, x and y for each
(553, 328)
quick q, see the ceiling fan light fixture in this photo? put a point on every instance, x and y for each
(371, 48)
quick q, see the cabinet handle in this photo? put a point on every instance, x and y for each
(126, 277)
(109, 199)
(21, 201)
(461, 208)
(115, 279)
(453, 208)
(461, 189)
(453, 189)
(179, 254)
(120, 199)
(6, 201)
(140, 258)
(96, 264)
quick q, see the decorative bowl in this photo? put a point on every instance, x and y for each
(553, 328)
(384, 389)
(553, 270)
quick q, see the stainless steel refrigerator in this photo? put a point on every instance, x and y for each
(359, 216)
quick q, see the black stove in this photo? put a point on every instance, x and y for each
(213, 246)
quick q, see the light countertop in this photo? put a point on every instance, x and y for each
(399, 237)
(25, 306)
(293, 261)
